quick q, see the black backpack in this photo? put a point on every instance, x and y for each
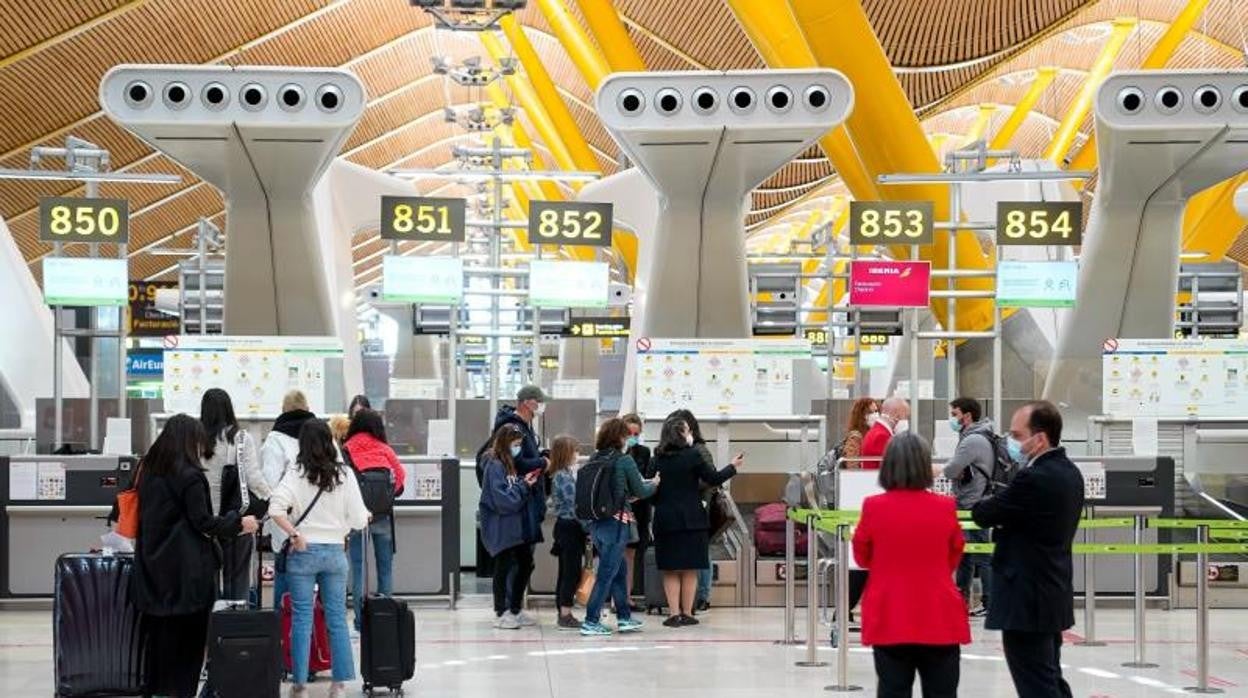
(597, 498)
(376, 486)
(1003, 467)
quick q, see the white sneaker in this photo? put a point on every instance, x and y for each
(525, 620)
(507, 621)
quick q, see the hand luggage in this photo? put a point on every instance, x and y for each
(656, 599)
(243, 647)
(98, 643)
(769, 527)
(319, 658)
(387, 638)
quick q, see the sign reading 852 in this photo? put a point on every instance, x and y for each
(571, 223)
(67, 219)
(890, 222)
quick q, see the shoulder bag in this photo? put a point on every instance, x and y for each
(279, 560)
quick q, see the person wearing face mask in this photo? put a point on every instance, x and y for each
(681, 524)
(970, 471)
(863, 415)
(505, 496)
(641, 508)
(1034, 520)
(894, 418)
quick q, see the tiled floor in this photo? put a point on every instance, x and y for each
(732, 654)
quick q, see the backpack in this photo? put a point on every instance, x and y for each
(1003, 467)
(597, 498)
(376, 486)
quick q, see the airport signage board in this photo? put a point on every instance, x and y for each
(570, 223)
(84, 281)
(818, 337)
(1036, 284)
(144, 320)
(1175, 378)
(549, 362)
(424, 218)
(597, 327)
(69, 219)
(145, 364)
(890, 284)
(1039, 223)
(555, 284)
(890, 222)
(422, 279)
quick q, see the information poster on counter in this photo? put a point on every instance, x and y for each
(1175, 378)
(257, 372)
(718, 376)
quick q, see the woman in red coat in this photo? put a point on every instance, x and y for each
(912, 613)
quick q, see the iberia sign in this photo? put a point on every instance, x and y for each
(889, 284)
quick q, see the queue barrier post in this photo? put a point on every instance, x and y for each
(1202, 615)
(1089, 588)
(790, 582)
(1139, 661)
(812, 595)
(842, 684)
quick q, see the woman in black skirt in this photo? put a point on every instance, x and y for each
(681, 524)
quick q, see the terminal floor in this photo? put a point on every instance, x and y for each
(731, 654)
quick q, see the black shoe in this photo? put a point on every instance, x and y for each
(702, 606)
(635, 608)
(688, 620)
(672, 622)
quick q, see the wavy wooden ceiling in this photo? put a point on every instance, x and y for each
(948, 54)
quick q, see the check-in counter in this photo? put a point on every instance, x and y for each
(426, 522)
(52, 505)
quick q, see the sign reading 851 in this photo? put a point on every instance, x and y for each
(67, 219)
(890, 222)
(423, 218)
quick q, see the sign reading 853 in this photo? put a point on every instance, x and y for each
(890, 222)
(68, 219)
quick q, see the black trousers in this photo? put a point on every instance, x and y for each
(857, 585)
(175, 653)
(515, 563)
(236, 567)
(936, 665)
(570, 544)
(1035, 661)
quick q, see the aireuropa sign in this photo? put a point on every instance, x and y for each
(889, 284)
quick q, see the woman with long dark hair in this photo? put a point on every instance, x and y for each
(359, 402)
(365, 448)
(235, 483)
(316, 510)
(175, 564)
(681, 524)
(504, 501)
(702, 597)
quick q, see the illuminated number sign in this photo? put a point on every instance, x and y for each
(64, 219)
(145, 320)
(815, 336)
(570, 223)
(873, 339)
(890, 222)
(1039, 223)
(422, 218)
(549, 362)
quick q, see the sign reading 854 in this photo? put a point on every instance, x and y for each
(68, 219)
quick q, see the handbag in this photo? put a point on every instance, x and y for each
(279, 561)
(588, 578)
(720, 513)
(128, 510)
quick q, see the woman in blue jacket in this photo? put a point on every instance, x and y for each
(504, 507)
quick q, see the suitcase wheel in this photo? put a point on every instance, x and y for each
(654, 610)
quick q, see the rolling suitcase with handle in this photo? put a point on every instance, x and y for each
(656, 598)
(387, 638)
(97, 633)
(244, 645)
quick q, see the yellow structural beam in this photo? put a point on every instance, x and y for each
(533, 107)
(888, 136)
(575, 41)
(611, 35)
(982, 121)
(1161, 54)
(773, 29)
(1005, 134)
(1078, 110)
(1210, 223)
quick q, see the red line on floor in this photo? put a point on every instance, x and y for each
(1072, 637)
(1213, 680)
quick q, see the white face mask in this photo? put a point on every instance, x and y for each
(689, 439)
(902, 425)
(872, 418)
(541, 408)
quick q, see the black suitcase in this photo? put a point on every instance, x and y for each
(244, 648)
(97, 633)
(656, 597)
(387, 639)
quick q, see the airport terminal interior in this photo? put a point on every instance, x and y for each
(837, 252)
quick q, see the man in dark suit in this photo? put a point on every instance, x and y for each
(1035, 520)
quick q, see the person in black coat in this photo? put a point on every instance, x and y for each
(642, 510)
(177, 556)
(1035, 520)
(681, 524)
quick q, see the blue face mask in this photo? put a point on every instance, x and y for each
(631, 442)
(515, 450)
(1015, 448)
(956, 425)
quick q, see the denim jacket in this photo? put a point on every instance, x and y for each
(503, 508)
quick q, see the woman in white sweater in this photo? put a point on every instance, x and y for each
(316, 510)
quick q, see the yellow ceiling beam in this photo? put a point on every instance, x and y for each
(1161, 54)
(775, 33)
(612, 37)
(534, 107)
(1078, 110)
(1004, 135)
(592, 66)
(982, 121)
(1210, 223)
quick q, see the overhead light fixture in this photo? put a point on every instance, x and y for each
(469, 15)
(1088, 33)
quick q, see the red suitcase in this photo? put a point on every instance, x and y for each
(769, 527)
(319, 658)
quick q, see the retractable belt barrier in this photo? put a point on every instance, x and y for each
(839, 523)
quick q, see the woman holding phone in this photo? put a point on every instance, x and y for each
(504, 524)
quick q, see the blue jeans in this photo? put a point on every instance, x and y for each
(280, 587)
(383, 555)
(972, 563)
(610, 539)
(324, 565)
(704, 583)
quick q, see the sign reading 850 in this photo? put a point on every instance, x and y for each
(67, 219)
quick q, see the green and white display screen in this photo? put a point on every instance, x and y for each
(422, 279)
(85, 281)
(1036, 284)
(569, 284)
